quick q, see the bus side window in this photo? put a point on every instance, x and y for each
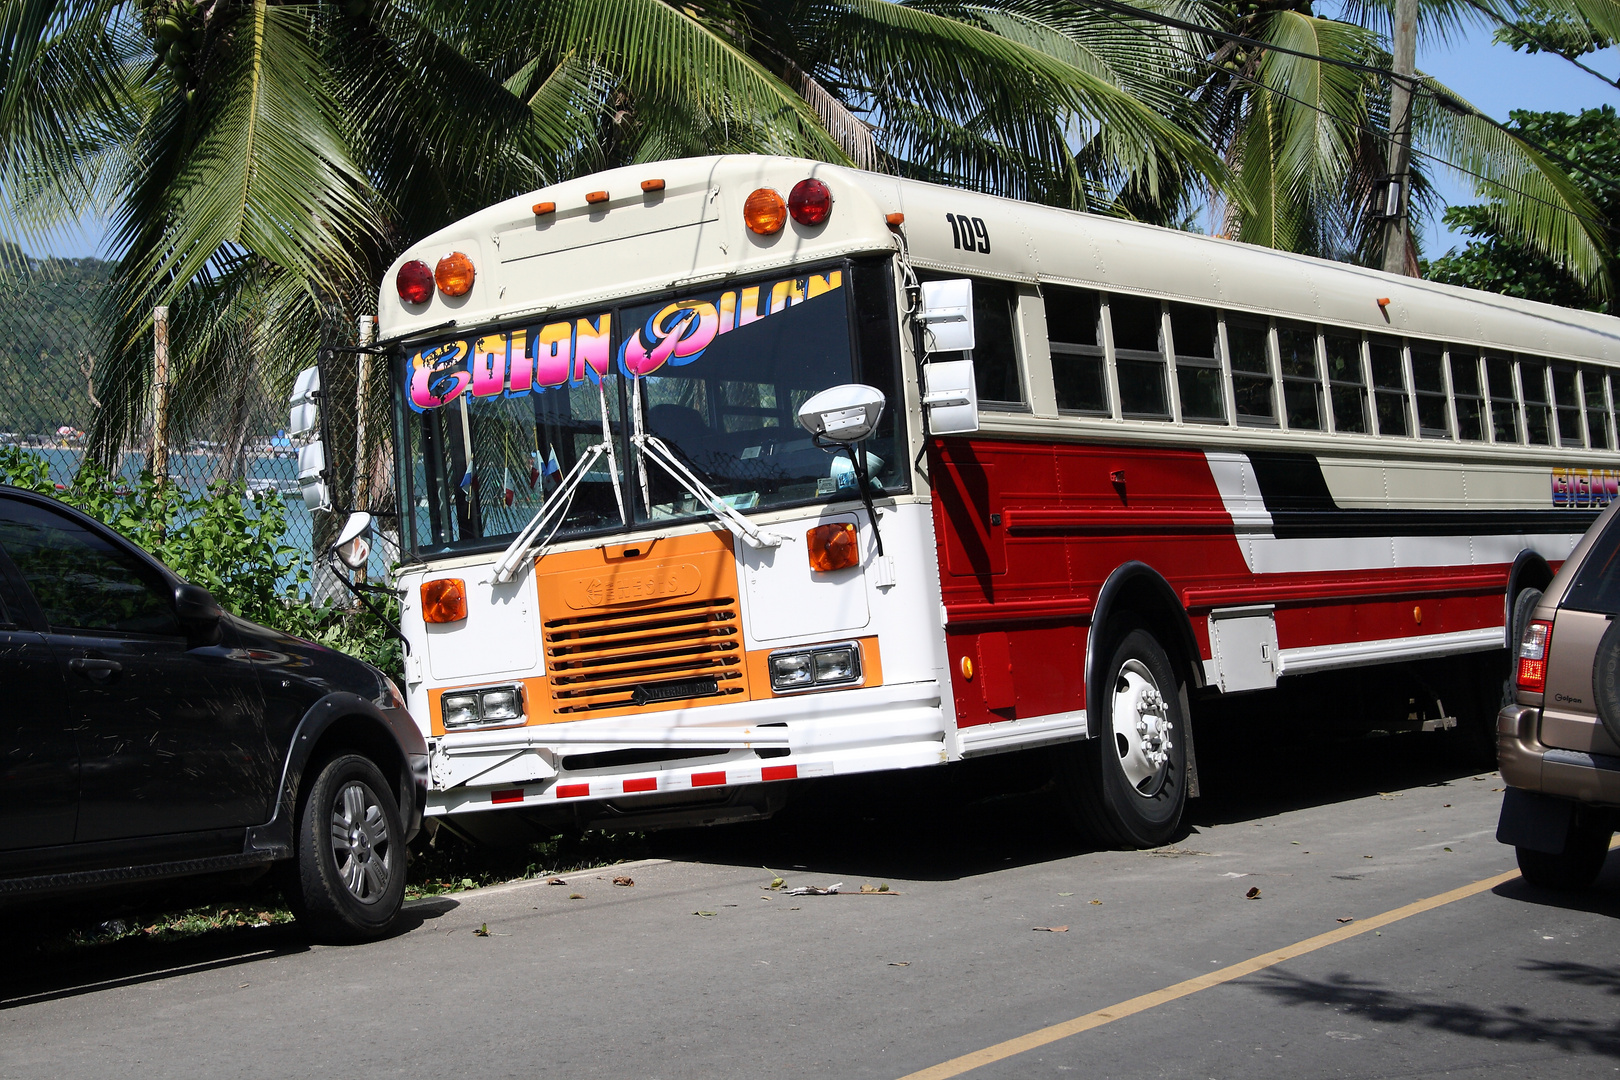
(1251, 371)
(1429, 383)
(1567, 403)
(1504, 400)
(1594, 384)
(1073, 329)
(1389, 385)
(1138, 326)
(1195, 338)
(995, 354)
(1302, 378)
(1465, 392)
(1537, 415)
(1347, 387)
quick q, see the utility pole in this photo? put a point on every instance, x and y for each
(1398, 209)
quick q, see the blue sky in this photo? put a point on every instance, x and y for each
(1495, 78)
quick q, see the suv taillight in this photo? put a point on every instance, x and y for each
(1533, 647)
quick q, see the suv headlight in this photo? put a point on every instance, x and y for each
(810, 669)
(491, 706)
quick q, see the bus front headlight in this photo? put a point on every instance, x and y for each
(809, 669)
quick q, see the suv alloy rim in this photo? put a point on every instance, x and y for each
(361, 846)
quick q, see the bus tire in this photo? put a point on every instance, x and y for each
(350, 853)
(1127, 786)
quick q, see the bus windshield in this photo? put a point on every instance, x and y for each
(494, 421)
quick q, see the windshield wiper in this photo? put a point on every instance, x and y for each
(556, 504)
(652, 447)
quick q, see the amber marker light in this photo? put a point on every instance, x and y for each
(967, 668)
(414, 282)
(765, 212)
(595, 197)
(833, 547)
(444, 600)
(652, 185)
(541, 209)
(810, 202)
(454, 274)
(895, 220)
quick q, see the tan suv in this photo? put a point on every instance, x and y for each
(1559, 742)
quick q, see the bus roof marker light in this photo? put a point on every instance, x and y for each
(595, 197)
(895, 220)
(541, 209)
(765, 212)
(652, 185)
(454, 274)
(414, 282)
(810, 202)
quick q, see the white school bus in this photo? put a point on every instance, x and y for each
(725, 473)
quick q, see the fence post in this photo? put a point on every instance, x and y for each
(157, 463)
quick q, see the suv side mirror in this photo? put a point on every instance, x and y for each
(199, 613)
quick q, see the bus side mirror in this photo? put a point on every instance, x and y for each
(844, 414)
(951, 397)
(947, 315)
(303, 430)
(353, 544)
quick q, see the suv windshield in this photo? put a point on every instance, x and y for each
(494, 422)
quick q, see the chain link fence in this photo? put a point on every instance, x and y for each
(51, 333)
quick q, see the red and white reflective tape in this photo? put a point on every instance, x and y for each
(608, 788)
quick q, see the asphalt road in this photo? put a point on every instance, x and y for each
(699, 970)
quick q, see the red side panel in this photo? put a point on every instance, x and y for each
(1028, 533)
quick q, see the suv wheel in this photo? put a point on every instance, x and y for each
(350, 852)
(1577, 867)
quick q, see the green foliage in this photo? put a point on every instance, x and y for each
(226, 539)
(1495, 260)
(49, 340)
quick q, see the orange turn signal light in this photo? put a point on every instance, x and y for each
(833, 547)
(541, 209)
(454, 274)
(595, 197)
(444, 600)
(765, 212)
(652, 185)
(894, 220)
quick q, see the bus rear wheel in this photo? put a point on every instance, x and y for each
(1127, 785)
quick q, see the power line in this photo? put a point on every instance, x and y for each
(1453, 103)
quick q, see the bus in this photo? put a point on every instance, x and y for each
(721, 474)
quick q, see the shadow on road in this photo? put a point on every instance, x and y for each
(32, 977)
(979, 816)
(1378, 1004)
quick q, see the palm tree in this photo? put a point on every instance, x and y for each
(263, 162)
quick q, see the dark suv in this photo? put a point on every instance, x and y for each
(145, 734)
(1558, 743)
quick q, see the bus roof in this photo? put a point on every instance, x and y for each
(531, 260)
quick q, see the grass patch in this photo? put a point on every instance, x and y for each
(447, 865)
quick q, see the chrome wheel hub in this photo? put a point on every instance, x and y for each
(1141, 727)
(361, 846)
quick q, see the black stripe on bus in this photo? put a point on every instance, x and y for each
(1301, 506)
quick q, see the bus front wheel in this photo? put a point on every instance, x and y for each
(1127, 785)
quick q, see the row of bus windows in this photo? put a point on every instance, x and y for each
(1176, 361)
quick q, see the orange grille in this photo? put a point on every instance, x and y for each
(600, 661)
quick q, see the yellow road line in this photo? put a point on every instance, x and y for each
(1023, 1043)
